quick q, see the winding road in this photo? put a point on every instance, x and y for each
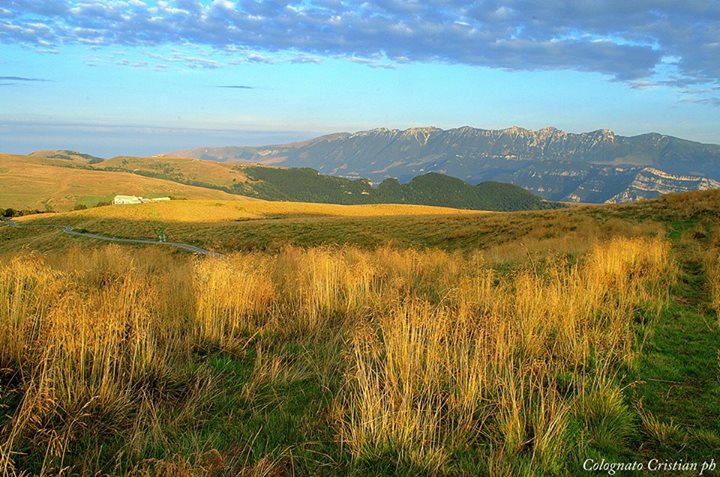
(69, 230)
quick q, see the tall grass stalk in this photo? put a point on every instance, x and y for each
(483, 366)
(445, 356)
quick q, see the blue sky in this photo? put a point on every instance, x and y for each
(142, 77)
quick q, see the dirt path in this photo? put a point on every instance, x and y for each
(69, 230)
(679, 370)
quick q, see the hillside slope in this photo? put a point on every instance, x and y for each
(428, 189)
(47, 183)
(186, 170)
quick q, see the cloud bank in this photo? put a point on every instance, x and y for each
(627, 40)
(20, 79)
(235, 86)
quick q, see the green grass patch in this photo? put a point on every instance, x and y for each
(89, 201)
(677, 389)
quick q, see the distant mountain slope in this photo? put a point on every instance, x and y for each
(428, 189)
(65, 155)
(594, 166)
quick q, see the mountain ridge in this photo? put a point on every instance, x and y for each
(514, 155)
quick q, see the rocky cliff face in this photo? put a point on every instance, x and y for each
(650, 182)
(597, 166)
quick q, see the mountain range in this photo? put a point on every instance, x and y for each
(598, 166)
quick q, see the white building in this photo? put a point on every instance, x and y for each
(133, 199)
(127, 199)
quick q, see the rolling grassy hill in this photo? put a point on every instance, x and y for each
(179, 169)
(247, 224)
(81, 173)
(222, 224)
(45, 181)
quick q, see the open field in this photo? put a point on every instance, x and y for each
(243, 208)
(221, 224)
(355, 341)
(266, 225)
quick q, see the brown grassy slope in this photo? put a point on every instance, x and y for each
(37, 182)
(182, 169)
(64, 157)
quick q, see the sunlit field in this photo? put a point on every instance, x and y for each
(245, 208)
(523, 358)
(249, 225)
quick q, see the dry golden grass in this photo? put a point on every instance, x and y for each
(180, 168)
(662, 433)
(484, 362)
(90, 343)
(243, 208)
(36, 182)
(441, 353)
(222, 316)
(261, 225)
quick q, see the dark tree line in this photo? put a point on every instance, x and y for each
(10, 212)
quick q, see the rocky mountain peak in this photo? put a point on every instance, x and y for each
(517, 131)
(422, 135)
(604, 135)
(421, 130)
(549, 132)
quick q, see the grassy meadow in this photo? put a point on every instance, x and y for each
(252, 225)
(373, 340)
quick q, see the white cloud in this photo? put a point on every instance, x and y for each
(627, 40)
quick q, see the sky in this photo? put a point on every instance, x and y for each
(149, 76)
